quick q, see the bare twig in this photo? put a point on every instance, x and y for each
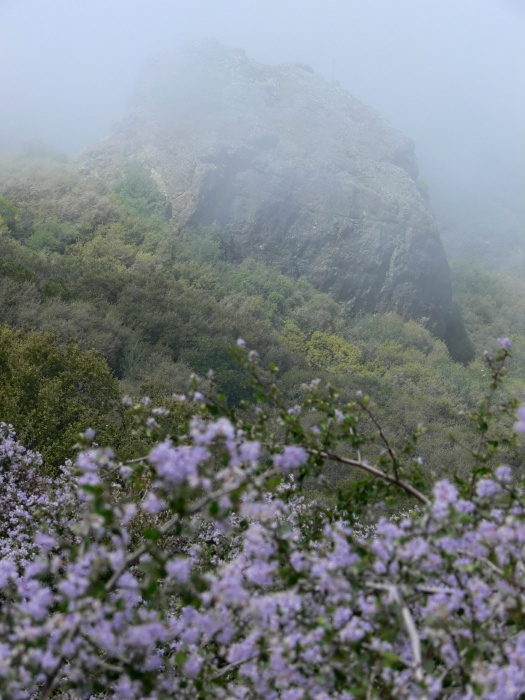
(370, 687)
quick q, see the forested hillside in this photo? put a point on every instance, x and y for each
(262, 350)
(102, 296)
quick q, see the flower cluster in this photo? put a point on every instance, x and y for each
(242, 585)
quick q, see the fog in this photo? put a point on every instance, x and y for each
(448, 73)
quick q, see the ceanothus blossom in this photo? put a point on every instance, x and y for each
(177, 464)
(293, 456)
(237, 592)
(519, 426)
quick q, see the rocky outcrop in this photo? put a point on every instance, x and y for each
(295, 171)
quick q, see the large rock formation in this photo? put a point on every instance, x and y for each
(296, 171)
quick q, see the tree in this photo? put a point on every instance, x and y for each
(325, 351)
(51, 391)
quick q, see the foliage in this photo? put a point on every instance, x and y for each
(325, 351)
(200, 571)
(51, 392)
(139, 195)
(100, 261)
(51, 235)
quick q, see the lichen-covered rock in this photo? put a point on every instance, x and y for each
(295, 171)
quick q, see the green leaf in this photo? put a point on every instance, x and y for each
(151, 534)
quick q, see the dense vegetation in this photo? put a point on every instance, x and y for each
(97, 267)
(199, 570)
(229, 544)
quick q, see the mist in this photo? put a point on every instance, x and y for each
(448, 74)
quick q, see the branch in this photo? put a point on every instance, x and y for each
(373, 470)
(231, 667)
(411, 628)
(383, 437)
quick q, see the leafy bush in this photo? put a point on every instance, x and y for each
(325, 351)
(199, 570)
(50, 392)
(139, 194)
(51, 235)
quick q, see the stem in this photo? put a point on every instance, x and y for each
(484, 560)
(497, 376)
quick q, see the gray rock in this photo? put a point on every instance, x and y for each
(296, 172)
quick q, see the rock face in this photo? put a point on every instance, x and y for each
(294, 171)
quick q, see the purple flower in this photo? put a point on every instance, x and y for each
(444, 495)
(249, 451)
(38, 600)
(45, 542)
(152, 503)
(193, 665)
(505, 343)
(125, 472)
(86, 461)
(204, 433)
(7, 571)
(504, 473)
(179, 569)
(464, 506)
(519, 427)
(355, 630)
(241, 343)
(89, 479)
(260, 573)
(175, 464)
(414, 549)
(487, 488)
(293, 456)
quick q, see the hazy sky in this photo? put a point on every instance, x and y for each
(448, 73)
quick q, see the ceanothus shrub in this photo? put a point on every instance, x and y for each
(208, 569)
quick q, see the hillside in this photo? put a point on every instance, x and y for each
(101, 264)
(125, 270)
(294, 172)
